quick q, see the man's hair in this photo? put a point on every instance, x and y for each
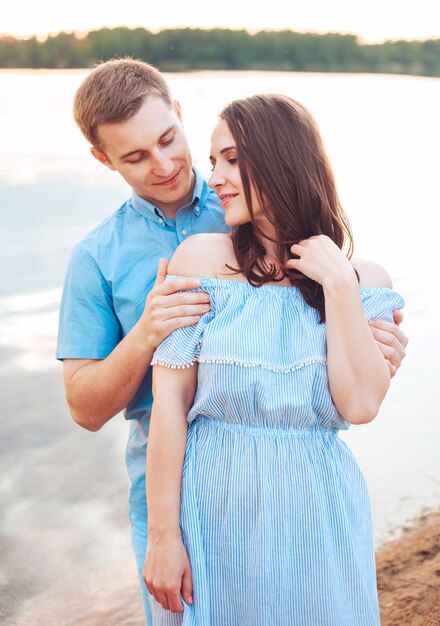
(113, 92)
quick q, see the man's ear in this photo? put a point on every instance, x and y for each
(178, 110)
(101, 157)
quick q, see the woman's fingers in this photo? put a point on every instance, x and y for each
(187, 588)
(174, 601)
(168, 596)
(293, 264)
(166, 566)
(297, 249)
(162, 598)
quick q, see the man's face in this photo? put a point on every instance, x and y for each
(151, 153)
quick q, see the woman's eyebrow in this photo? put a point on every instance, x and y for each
(226, 149)
(211, 158)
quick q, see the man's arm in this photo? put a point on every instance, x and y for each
(96, 390)
(391, 340)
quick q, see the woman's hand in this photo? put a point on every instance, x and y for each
(321, 260)
(167, 572)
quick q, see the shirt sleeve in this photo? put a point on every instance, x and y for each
(380, 302)
(88, 325)
(182, 347)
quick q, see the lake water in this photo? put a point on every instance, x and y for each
(62, 490)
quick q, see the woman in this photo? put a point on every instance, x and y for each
(269, 522)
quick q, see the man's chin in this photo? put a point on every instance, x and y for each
(178, 194)
(180, 191)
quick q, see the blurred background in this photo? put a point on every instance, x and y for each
(372, 82)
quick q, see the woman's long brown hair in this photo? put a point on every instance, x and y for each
(281, 155)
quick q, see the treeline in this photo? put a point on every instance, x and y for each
(194, 49)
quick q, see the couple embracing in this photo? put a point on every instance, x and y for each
(230, 320)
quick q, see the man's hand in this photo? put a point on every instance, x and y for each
(391, 340)
(167, 573)
(166, 309)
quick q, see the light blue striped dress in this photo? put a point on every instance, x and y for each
(275, 514)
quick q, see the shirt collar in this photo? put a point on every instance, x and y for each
(197, 204)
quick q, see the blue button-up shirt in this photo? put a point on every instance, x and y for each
(110, 274)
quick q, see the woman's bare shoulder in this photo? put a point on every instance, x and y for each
(371, 274)
(201, 255)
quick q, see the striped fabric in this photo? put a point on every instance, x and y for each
(275, 513)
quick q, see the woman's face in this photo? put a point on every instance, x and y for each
(226, 179)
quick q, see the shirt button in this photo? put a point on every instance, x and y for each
(197, 209)
(161, 221)
(184, 232)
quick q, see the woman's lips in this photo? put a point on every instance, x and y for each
(225, 198)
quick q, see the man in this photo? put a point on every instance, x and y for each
(115, 310)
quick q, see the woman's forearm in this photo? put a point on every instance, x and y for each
(173, 392)
(167, 572)
(166, 450)
(358, 374)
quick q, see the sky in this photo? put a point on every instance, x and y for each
(372, 20)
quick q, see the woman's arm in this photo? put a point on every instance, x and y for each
(358, 374)
(167, 572)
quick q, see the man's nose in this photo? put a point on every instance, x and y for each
(163, 165)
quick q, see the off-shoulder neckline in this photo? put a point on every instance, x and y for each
(229, 282)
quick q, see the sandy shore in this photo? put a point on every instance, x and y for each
(408, 575)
